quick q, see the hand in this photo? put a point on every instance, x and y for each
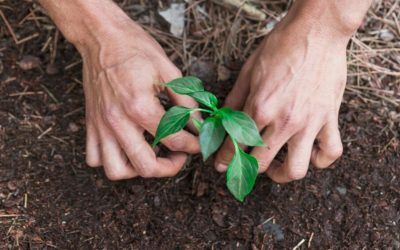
(292, 86)
(121, 73)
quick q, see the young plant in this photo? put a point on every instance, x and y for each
(243, 168)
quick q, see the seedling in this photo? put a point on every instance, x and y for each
(243, 168)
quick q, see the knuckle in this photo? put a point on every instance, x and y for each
(146, 172)
(175, 71)
(292, 119)
(296, 173)
(321, 165)
(175, 142)
(260, 112)
(173, 173)
(263, 165)
(116, 175)
(112, 116)
(91, 162)
(336, 151)
(138, 108)
(225, 154)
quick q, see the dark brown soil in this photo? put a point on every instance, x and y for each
(49, 198)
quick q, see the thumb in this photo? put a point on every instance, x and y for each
(240, 91)
(168, 73)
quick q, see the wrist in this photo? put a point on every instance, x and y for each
(334, 19)
(83, 22)
(101, 25)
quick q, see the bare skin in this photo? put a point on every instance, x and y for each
(293, 87)
(122, 69)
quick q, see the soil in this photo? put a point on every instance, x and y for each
(50, 199)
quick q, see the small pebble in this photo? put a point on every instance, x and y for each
(223, 73)
(53, 106)
(58, 158)
(205, 70)
(396, 244)
(342, 190)
(219, 214)
(274, 229)
(11, 185)
(157, 201)
(386, 35)
(29, 62)
(349, 117)
(201, 189)
(339, 216)
(73, 127)
(51, 69)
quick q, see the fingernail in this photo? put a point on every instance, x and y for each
(221, 167)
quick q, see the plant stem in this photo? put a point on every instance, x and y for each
(202, 110)
(237, 148)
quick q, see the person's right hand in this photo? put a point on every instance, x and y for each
(122, 71)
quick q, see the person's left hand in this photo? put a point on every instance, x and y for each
(292, 86)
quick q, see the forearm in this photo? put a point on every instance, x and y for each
(84, 20)
(336, 18)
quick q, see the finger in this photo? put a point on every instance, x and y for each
(275, 139)
(240, 91)
(224, 155)
(147, 165)
(93, 155)
(148, 113)
(170, 166)
(115, 163)
(237, 96)
(181, 100)
(235, 100)
(168, 73)
(259, 110)
(141, 156)
(227, 151)
(329, 147)
(296, 162)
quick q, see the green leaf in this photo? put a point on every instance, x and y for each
(206, 98)
(185, 85)
(193, 87)
(197, 124)
(241, 175)
(241, 127)
(173, 121)
(212, 135)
